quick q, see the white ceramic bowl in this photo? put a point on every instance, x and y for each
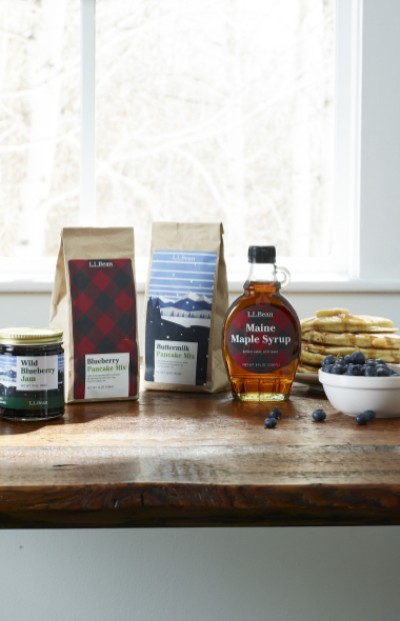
(352, 395)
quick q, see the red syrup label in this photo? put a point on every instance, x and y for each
(262, 338)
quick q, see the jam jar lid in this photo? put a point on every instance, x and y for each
(30, 336)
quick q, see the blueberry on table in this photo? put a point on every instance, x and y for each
(270, 423)
(362, 419)
(275, 413)
(370, 414)
(318, 415)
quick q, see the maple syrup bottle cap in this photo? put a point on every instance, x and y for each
(262, 254)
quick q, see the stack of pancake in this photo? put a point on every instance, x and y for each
(336, 331)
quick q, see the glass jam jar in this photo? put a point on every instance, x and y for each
(31, 374)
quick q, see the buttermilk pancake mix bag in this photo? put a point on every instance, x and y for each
(94, 303)
(185, 304)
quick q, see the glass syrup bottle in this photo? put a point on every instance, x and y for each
(261, 337)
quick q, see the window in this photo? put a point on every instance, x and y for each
(39, 125)
(224, 113)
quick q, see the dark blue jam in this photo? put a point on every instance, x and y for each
(31, 381)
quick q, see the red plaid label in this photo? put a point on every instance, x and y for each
(103, 315)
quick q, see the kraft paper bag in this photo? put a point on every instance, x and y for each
(186, 300)
(94, 303)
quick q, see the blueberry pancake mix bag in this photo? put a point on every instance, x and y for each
(94, 303)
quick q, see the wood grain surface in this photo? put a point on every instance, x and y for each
(174, 459)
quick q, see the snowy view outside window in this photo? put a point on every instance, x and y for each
(205, 110)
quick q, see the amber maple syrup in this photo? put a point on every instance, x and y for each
(261, 339)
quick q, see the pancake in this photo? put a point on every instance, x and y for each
(345, 322)
(355, 340)
(316, 359)
(344, 350)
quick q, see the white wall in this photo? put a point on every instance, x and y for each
(259, 574)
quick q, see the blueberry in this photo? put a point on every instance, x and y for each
(357, 357)
(338, 368)
(352, 369)
(362, 419)
(370, 370)
(370, 414)
(330, 359)
(382, 370)
(318, 415)
(275, 413)
(270, 423)
(356, 369)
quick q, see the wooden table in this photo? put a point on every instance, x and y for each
(172, 459)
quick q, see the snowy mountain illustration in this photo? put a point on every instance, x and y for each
(192, 309)
(192, 301)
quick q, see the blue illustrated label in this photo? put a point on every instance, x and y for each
(178, 321)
